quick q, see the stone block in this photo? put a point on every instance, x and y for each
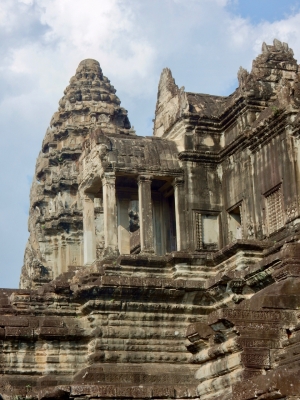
(82, 390)
(110, 280)
(256, 358)
(18, 332)
(192, 284)
(52, 322)
(125, 281)
(152, 282)
(13, 321)
(141, 392)
(181, 392)
(163, 392)
(199, 330)
(179, 283)
(124, 391)
(137, 282)
(53, 332)
(105, 391)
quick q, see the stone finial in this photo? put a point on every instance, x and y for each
(89, 85)
(167, 81)
(277, 44)
(171, 101)
(242, 76)
(89, 68)
(282, 46)
(264, 48)
(275, 62)
(285, 46)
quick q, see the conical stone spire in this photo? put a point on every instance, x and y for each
(55, 218)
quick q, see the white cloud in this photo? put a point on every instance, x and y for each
(287, 30)
(80, 26)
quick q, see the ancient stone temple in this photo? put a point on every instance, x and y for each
(167, 266)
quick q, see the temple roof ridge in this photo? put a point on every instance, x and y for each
(276, 46)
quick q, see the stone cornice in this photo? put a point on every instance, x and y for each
(251, 138)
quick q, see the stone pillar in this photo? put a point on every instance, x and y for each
(89, 235)
(145, 211)
(179, 198)
(110, 214)
(123, 226)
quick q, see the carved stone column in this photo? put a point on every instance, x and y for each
(110, 214)
(123, 226)
(145, 211)
(179, 197)
(89, 235)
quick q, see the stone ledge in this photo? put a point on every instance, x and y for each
(135, 392)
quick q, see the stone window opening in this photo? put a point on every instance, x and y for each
(207, 230)
(134, 227)
(133, 214)
(235, 231)
(128, 214)
(146, 215)
(164, 220)
(172, 223)
(274, 209)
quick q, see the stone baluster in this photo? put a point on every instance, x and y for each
(179, 198)
(145, 211)
(110, 214)
(89, 236)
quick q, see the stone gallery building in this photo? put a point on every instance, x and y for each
(167, 266)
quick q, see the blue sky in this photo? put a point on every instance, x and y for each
(264, 10)
(204, 42)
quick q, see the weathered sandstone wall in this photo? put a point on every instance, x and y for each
(166, 266)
